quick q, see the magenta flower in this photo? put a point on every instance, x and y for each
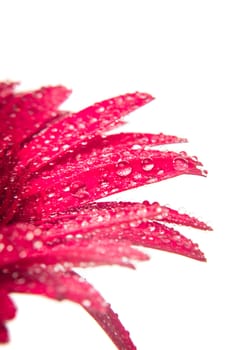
(54, 166)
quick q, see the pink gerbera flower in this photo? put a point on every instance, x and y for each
(54, 166)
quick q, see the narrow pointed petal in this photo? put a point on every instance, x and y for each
(110, 322)
(140, 140)
(4, 337)
(99, 215)
(102, 145)
(7, 307)
(63, 187)
(74, 128)
(119, 221)
(24, 113)
(54, 165)
(21, 115)
(49, 282)
(6, 88)
(174, 217)
(29, 247)
(154, 235)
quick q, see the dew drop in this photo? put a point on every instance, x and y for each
(15, 275)
(66, 189)
(65, 147)
(37, 232)
(100, 109)
(104, 184)
(124, 168)
(79, 190)
(45, 159)
(29, 236)
(147, 164)
(2, 246)
(136, 147)
(180, 163)
(204, 172)
(9, 248)
(20, 280)
(160, 172)
(86, 303)
(37, 244)
(22, 254)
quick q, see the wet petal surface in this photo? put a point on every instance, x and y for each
(54, 166)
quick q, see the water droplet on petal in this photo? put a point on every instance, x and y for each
(37, 244)
(79, 190)
(29, 236)
(180, 163)
(22, 254)
(124, 168)
(86, 303)
(55, 149)
(147, 164)
(135, 147)
(66, 189)
(100, 109)
(9, 248)
(2, 246)
(204, 172)
(160, 172)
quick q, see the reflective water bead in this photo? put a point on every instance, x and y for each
(124, 168)
(147, 164)
(37, 244)
(180, 163)
(79, 190)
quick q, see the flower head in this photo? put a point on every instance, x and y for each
(54, 166)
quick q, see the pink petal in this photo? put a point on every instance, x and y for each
(110, 322)
(63, 187)
(7, 307)
(66, 285)
(174, 217)
(52, 283)
(154, 235)
(70, 130)
(4, 337)
(69, 189)
(108, 143)
(21, 115)
(27, 247)
(24, 113)
(6, 88)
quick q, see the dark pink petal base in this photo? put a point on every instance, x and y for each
(54, 166)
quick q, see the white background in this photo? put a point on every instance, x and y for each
(181, 52)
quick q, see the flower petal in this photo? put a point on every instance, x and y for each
(72, 129)
(6, 88)
(27, 247)
(7, 307)
(52, 283)
(174, 217)
(68, 187)
(24, 113)
(110, 322)
(61, 285)
(21, 115)
(4, 337)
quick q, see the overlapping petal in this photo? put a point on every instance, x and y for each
(54, 166)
